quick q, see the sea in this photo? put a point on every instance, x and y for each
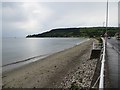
(17, 52)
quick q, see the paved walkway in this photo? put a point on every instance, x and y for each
(112, 57)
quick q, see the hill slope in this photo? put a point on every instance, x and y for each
(77, 32)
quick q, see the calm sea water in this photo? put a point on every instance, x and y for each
(20, 49)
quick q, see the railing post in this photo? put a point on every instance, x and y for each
(93, 45)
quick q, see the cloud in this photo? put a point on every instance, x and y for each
(59, 0)
(85, 14)
(12, 12)
(113, 14)
(27, 17)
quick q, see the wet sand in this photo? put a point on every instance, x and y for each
(59, 70)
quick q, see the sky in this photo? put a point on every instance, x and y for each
(22, 18)
(119, 14)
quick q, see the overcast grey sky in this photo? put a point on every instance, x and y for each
(20, 19)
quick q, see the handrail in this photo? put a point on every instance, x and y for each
(96, 45)
(101, 84)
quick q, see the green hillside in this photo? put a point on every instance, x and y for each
(77, 32)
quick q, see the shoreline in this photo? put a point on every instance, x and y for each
(23, 60)
(50, 71)
(18, 64)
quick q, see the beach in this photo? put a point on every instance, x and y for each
(59, 70)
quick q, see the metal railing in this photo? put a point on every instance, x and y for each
(97, 45)
(101, 83)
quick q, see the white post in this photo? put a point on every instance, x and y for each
(93, 45)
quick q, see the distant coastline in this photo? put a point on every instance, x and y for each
(76, 32)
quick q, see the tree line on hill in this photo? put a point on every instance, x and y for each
(77, 32)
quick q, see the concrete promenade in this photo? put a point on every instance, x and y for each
(113, 62)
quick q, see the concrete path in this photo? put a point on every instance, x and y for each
(113, 63)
